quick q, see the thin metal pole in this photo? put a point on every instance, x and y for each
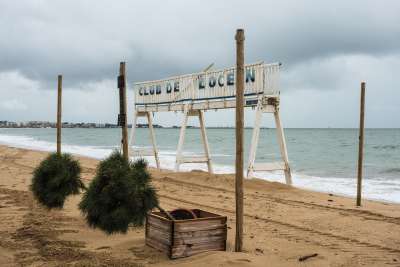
(360, 144)
(239, 138)
(122, 99)
(59, 108)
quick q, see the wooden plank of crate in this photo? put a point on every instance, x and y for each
(199, 225)
(159, 239)
(213, 232)
(161, 224)
(183, 228)
(188, 250)
(163, 236)
(157, 245)
(159, 231)
(202, 220)
(199, 240)
(184, 248)
(159, 227)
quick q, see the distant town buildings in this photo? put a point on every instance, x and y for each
(8, 124)
(46, 124)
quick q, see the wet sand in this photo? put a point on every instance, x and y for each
(282, 224)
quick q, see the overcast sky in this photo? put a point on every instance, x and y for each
(327, 48)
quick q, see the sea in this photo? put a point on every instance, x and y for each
(322, 160)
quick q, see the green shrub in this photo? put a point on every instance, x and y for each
(56, 177)
(119, 195)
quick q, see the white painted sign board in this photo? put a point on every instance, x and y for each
(210, 86)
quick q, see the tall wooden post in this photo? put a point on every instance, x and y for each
(59, 108)
(360, 144)
(122, 107)
(239, 137)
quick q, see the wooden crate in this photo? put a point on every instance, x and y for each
(183, 238)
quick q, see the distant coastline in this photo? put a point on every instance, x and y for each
(92, 125)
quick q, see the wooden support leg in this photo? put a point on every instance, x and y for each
(282, 146)
(153, 138)
(181, 139)
(205, 141)
(254, 140)
(133, 130)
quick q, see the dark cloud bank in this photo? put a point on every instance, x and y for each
(326, 48)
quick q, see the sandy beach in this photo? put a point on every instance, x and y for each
(282, 224)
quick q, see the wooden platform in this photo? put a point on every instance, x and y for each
(183, 238)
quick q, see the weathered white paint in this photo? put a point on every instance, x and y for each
(206, 158)
(176, 92)
(264, 107)
(143, 152)
(261, 91)
(282, 146)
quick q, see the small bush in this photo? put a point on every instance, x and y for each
(120, 195)
(56, 177)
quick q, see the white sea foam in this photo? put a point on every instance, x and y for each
(377, 189)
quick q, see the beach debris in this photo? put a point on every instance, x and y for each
(306, 257)
(259, 251)
(244, 259)
(103, 247)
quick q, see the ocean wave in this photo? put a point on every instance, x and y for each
(392, 170)
(386, 147)
(378, 189)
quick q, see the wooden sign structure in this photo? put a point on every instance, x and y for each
(195, 93)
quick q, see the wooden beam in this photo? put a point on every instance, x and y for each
(360, 144)
(254, 140)
(59, 109)
(239, 138)
(181, 138)
(153, 138)
(282, 147)
(133, 129)
(205, 141)
(122, 99)
(204, 105)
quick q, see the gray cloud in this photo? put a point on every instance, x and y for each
(87, 40)
(326, 46)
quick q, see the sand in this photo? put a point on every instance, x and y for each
(282, 224)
